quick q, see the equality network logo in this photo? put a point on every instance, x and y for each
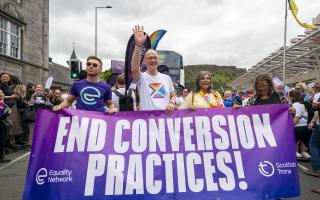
(266, 168)
(158, 90)
(42, 174)
(53, 176)
(89, 95)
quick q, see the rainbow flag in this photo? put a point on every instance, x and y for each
(294, 10)
(156, 37)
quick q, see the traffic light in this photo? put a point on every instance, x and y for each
(74, 69)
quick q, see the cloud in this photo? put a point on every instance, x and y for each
(223, 32)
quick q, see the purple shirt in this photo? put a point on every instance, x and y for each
(91, 96)
(3, 113)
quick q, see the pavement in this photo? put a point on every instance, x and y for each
(13, 174)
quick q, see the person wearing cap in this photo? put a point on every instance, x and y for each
(237, 102)
(246, 96)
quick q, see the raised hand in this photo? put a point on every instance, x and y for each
(139, 36)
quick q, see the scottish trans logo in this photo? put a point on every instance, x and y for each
(158, 90)
(53, 176)
(89, 95)
(266, 168)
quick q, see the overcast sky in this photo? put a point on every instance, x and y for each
(222, 32)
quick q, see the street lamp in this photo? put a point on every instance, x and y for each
(96, 40)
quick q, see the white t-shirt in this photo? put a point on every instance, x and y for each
(316, 98)
(245, 101)
(115, 98)
(179, 101)
(301, 113)
(154, 91)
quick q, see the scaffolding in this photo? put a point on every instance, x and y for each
(302, 60)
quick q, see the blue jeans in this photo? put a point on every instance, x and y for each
(314, 148)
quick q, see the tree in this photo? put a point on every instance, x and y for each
(106, 74)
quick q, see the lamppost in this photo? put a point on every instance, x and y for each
(96, 39)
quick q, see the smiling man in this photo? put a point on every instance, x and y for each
(91, 93)
(156, 90)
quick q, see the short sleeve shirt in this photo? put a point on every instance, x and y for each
(154, 91)
(301, 113)
(39, 101)
(274, 99)
(91, 96)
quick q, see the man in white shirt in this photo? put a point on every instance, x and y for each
(155, 89)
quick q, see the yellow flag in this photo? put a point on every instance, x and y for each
(294, 10)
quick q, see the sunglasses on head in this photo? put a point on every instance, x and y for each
(92, 64)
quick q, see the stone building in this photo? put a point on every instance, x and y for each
(60, 75)
(24, 33)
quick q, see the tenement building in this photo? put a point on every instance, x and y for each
(24, 29)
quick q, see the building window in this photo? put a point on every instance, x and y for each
(10, 38)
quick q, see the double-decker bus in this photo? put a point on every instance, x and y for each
(173, 61)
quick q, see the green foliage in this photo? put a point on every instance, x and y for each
(220, 75)
(106, 74)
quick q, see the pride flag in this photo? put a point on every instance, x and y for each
(156, 37)
(294, 10)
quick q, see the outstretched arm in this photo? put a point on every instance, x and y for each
(139, 38)
(65, 104)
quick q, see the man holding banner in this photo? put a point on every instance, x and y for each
(156, 90)
(91, 93)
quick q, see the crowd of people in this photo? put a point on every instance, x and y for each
(152, 90)
(18, 105)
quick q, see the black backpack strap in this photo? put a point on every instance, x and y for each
(118, 93)
(130, 92)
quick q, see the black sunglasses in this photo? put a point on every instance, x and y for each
(93, 64)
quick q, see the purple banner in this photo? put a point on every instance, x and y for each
(117, 66)
(215, 154)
